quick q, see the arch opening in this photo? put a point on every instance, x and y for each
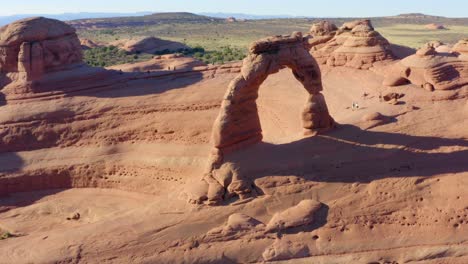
(280, 103)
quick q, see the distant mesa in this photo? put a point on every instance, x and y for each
(430, 69)
(170, 62)
(149, 45)
(435, 26)
(355, 44)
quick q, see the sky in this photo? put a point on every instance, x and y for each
(309, 8)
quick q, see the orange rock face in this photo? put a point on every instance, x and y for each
(355, 44)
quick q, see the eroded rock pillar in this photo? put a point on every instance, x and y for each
(315, 116)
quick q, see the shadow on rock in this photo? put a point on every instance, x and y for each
(350, 154)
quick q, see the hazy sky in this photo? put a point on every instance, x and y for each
(313, 8)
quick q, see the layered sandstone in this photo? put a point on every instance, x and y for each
(355, 44)
(430, 70)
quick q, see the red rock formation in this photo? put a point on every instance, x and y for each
(41, 55)
(430, 70)
(238, 123)
(34, 46)
(355, 44)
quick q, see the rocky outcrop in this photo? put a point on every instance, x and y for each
(41, 55)
(355, 44)
(430, 70)
(149, 45)
(35, 46)
(238, 123)
(169, 62)
(321, 32)
(434, 26)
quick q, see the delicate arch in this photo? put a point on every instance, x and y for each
(238, 122)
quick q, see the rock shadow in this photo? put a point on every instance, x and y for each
(2, 99)
(349, 154)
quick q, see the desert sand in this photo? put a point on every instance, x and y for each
(113, 173)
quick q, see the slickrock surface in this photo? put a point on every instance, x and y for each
(391, 179)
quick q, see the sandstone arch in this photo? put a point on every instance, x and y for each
(238, 123)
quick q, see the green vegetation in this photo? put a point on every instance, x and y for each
(5, 235)
(108, 56)
(220, 56)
